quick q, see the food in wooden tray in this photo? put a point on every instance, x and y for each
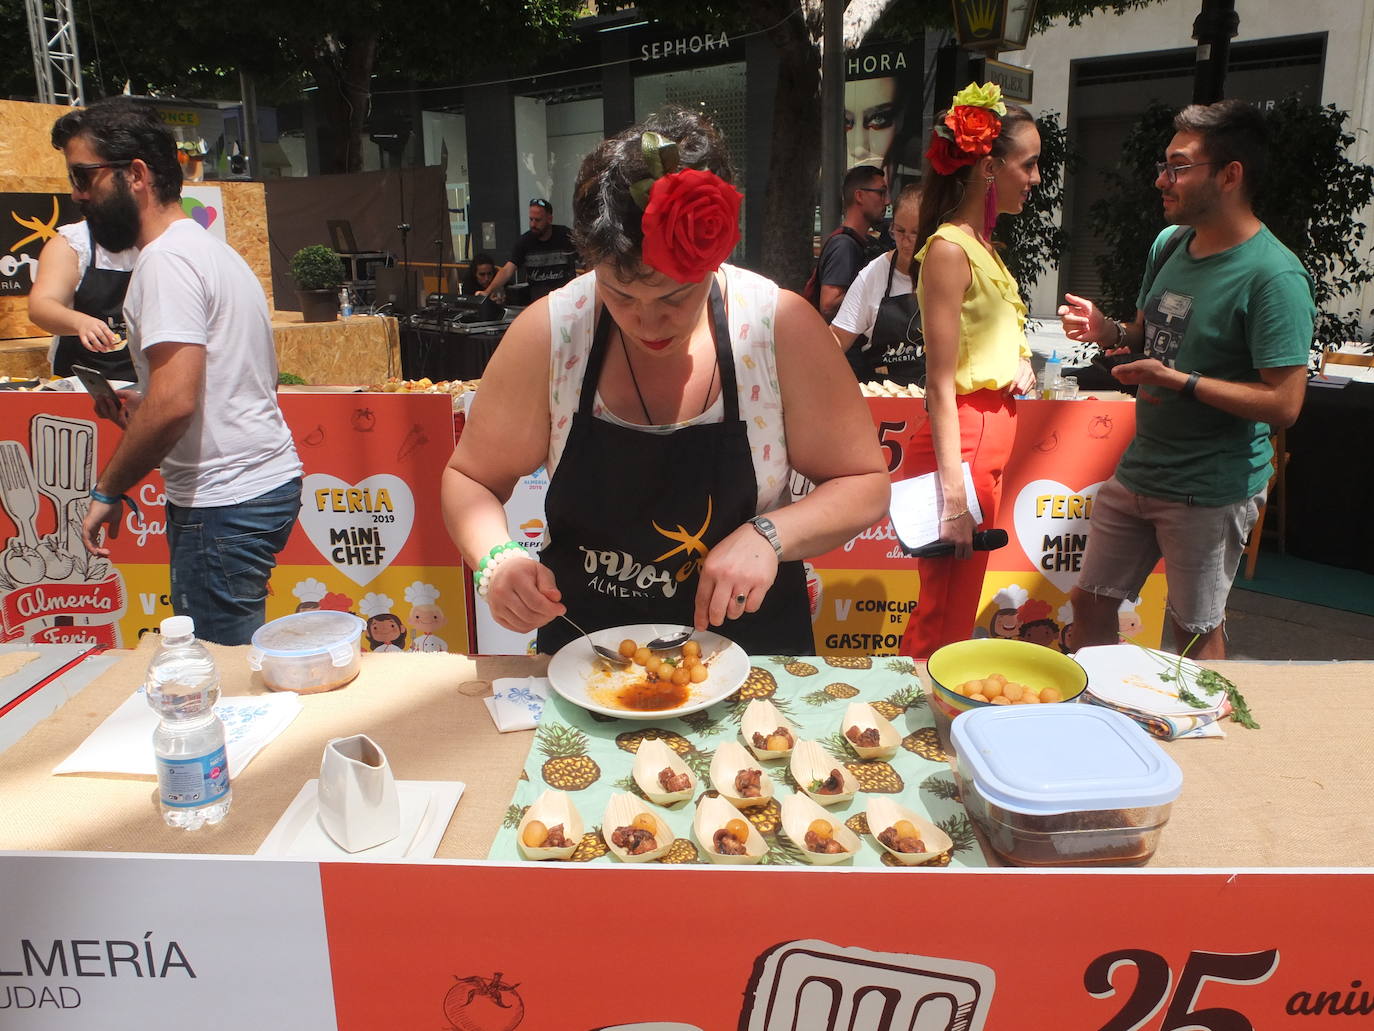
(749, 784)
(729, 840)
(820, 837)
(903, 836)
(867, 738)
(780, 740)
(998, 690)
(638, 837)
(833, 784)
(672, 782)
(536, 835)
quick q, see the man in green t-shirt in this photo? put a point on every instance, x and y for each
(1223, 326)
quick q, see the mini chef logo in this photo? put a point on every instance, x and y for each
(28, 967)
(358, 527)
(620, 574)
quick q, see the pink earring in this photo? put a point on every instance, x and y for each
(990, 208)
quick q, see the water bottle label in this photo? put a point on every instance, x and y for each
(189, 783)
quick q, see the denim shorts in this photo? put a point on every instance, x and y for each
(1201, 546)
(222, 558)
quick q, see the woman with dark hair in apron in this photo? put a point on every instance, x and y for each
(670, 397)
(78, 294)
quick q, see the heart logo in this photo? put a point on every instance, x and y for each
(1051, 522)
(204, 216)
(358, 528)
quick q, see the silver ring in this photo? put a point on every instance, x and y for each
(740, 599)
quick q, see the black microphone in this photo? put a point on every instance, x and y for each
(983, 540)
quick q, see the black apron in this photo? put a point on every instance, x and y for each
(898, 342)
(632, 514)
(100, 294)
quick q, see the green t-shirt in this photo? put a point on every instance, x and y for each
(1225, 316)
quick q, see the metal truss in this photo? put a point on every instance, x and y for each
(56, 61)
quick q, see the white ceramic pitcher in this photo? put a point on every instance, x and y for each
(359, 807)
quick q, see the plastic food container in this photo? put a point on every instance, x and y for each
(308, 652)
(1064, 785)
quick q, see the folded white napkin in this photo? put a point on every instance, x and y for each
(516, 703)
(124, 742)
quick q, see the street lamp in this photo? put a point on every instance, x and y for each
(993, 25)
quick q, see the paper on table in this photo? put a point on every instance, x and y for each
(516, 703)
(124, 742)
(915, 507)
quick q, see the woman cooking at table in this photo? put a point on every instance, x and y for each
(668, 419)
(880, 306)
(983, 161)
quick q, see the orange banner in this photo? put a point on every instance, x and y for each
(368, 540)
(574, 948)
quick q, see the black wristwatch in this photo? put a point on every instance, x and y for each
(1190, 388)
(765, 527)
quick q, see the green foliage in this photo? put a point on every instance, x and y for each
(317, 267)
(1311, 198)
(290, 379)
(1034, 240)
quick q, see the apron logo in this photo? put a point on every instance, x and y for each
(690, 544)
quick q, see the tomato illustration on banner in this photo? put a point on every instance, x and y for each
(360, 527)
(1051, 521)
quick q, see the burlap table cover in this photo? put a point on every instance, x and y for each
(1297, 793)
(425, 710)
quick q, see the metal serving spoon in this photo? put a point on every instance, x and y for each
(670, 641)
(609, 654)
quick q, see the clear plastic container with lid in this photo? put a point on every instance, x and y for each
(308, 652)
(1064, 785)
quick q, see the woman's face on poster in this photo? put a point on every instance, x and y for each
(870, 120)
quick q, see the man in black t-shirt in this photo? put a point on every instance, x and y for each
(843, 255)
(545, 254)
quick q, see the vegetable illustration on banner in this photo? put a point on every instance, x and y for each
(358, 528)
(51, 590)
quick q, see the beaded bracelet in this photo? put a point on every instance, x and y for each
(486, 569)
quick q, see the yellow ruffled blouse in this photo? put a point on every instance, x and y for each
(992, 318)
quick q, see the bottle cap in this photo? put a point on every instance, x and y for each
(178, 626)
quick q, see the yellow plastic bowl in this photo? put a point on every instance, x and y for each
(1016, 660)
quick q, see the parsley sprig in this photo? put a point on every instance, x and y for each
(1209, 681)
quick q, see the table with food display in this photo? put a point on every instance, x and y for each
(775, 828)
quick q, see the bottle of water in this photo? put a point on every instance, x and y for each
(192, 767)
(345, 302)
(1049, 376)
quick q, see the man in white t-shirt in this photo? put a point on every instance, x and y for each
(201, 340)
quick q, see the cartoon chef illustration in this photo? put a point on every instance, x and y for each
(425, 618)
(309, 593)
(385, 632)
(1005, 622)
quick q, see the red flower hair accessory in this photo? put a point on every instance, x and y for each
(968, 130)
(691, 215)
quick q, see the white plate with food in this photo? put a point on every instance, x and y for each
(637, 692)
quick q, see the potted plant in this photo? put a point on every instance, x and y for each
(319, 273)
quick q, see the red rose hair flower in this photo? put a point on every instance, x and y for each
(974, 129)
(944, 155)
(691, 224)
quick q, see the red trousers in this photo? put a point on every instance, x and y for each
(951, 587)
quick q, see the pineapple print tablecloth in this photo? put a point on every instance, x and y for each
(590, 756)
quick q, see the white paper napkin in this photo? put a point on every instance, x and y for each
(124, 742)
(516, 703)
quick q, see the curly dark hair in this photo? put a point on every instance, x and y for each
(606, 219)
(121, 129)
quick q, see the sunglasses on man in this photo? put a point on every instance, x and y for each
(80, 174)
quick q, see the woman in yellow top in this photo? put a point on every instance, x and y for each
(983, 161)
